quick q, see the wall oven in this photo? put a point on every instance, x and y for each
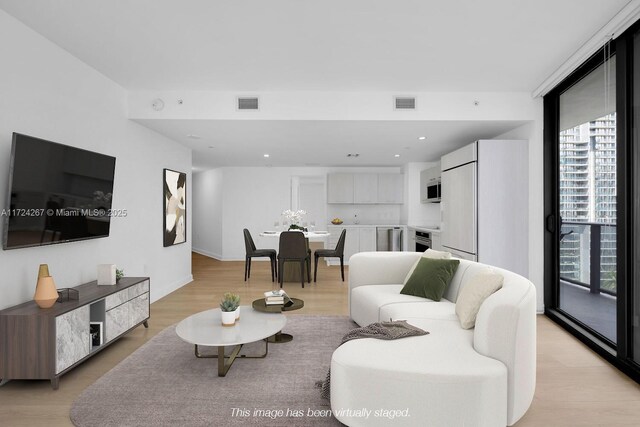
(423, 241)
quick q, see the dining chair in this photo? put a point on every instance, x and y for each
(252, 252)
(293, 247)
(338, 252)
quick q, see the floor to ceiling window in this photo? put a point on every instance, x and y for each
(587, 200)
(592, 202)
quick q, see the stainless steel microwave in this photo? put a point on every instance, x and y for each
(434, 190)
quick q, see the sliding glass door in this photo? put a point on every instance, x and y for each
(592, 202)
(633, 190)
(587, 200)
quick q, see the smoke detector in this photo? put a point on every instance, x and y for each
(157, 104)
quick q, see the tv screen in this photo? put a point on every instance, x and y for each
(57, 193)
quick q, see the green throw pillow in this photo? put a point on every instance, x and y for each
(430, 278)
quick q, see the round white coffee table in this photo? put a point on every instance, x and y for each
(205, 329)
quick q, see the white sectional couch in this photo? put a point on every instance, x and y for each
(451, 377)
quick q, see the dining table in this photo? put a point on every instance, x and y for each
(291, 271)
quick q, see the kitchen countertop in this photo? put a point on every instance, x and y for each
(427, 229)
(365, 225)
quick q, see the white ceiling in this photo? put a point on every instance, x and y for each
(257, 45)
(331, 45)
(322, 143)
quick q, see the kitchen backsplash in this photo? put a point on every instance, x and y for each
(426, 214)
(366, 214)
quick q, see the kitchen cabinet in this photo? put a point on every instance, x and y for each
(365, 188)
(459, 202)
(436, 241)
(424, 180)
(367, 237)
(391, 188)
(358, 239)
(340, 188)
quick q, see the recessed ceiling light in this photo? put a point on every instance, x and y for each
(211, 146)
(396, 155)
(265, 155)
(422, 138)
(194, 136)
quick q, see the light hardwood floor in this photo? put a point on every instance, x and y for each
(575, 386)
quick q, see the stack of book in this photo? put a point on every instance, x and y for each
(276, 297)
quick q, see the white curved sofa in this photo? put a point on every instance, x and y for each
(451, 377)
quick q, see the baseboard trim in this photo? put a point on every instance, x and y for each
(159, 293)
(207, 253)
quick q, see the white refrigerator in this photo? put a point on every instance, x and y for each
(459, 204)
(485, 203)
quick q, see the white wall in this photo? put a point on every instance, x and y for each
(46, 92)
(207, 213)
(254, 198)
(533, 133)
(316, 105)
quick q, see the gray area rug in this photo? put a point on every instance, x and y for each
(164, 384)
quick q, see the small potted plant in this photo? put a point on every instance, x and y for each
(236, 299)
(228, 308)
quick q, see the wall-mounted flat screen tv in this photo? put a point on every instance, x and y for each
(56, 194)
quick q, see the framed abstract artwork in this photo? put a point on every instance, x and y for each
(175, 207)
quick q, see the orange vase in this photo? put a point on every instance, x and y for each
(46, 292)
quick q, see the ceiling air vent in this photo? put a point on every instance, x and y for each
(405, 103)
(248, 103)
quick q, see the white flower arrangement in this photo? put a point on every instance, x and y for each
(294, 216)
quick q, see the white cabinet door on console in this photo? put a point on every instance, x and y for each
(72, 337)
(117, 321)
(139, 309)
(117, 299)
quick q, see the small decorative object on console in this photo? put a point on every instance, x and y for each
(97, 336)
(46, 294)
(106, 274)
(119, 274)
(336, 221)
(68, 294)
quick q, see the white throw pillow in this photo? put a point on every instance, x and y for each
(473, 294)
(429, 253)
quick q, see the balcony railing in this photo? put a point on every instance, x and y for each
(586, 253)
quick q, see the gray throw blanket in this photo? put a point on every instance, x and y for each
(380, 330)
